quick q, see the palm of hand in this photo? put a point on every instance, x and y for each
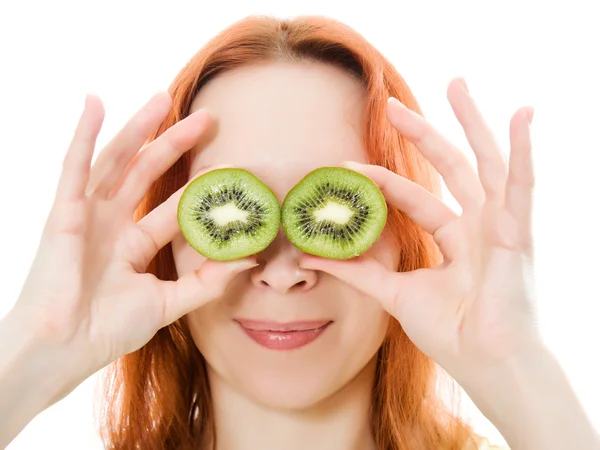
(114, 304)
(476, 307)
(87, 290)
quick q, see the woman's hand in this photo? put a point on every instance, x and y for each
(87, 292)
(477, 308)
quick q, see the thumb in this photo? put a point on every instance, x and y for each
(363, 273)
(200, 287)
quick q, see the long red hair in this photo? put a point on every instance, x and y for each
(158, 397)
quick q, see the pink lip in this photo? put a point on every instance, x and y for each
(283, 336)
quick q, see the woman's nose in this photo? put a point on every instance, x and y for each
(278, 268)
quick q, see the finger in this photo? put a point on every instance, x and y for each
(77, 161)
(200, 287)
(362, 273)
(392, 289)
(160, 224)
(161, 154)
(521, 178)
(490, 163)
(112, 161)
(450, 162)
(418, 203)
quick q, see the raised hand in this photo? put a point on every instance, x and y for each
(477, 307)
(87, 292)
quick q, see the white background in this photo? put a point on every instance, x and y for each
(512, 53)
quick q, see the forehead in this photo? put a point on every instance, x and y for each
(282, 119)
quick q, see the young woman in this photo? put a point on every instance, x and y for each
(115, 284)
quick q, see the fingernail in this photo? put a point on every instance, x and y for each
(353, 165)
(463, 84)
(242, 264)
(530, 114)
(394, 99)
(204, 111)
(86, 101)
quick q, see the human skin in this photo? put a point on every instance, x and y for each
(84, 289)
(316, 396)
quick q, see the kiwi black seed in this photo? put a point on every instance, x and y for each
(228, 214)
(334, 212)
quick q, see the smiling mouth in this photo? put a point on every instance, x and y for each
(283, 336)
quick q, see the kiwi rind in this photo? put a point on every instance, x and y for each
(235, 242)
(353, 188)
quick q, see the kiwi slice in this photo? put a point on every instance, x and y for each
(334, 212)
(228, 214)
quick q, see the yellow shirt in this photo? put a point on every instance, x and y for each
(485, 444)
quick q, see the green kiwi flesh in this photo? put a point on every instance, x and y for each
(334, 213)
(228, 214)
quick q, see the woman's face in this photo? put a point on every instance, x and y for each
(280, 121)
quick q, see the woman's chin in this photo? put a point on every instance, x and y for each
(296, 386)
(288, 395)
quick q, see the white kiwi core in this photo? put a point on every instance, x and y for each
(222, 215)
(333, 212)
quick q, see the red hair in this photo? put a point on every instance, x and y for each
(158, 397)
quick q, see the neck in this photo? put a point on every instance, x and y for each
(340, 421)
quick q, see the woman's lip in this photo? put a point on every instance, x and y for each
(284, 340)
(261, 325)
